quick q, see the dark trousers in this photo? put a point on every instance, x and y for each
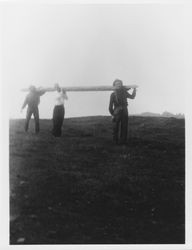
(120, 126)
(35, 112)
(58, 118)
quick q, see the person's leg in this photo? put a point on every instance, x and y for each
(62, 117)
(28, 117)
(57, 122)
(58, 117)
(124, 126)
(36, 118)
(60, 120)
(116, 123)
(54, 120)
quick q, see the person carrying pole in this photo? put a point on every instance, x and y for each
(118, 109)
(32, 100)
(59, 110)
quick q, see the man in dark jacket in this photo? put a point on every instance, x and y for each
(118, 109)
(32, 100)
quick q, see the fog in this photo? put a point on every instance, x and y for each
(84, 45)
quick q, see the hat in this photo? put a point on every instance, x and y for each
(117, 81)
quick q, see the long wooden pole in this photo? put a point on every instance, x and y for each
(87, 88)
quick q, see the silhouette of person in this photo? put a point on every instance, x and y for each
(59, 110)
(118, 109)
(32, 100)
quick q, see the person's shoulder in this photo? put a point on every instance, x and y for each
(123, 88)
(41, 92)
(28, 95)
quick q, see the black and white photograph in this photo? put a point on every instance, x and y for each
(96, 98)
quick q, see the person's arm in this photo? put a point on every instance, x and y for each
(132, 96)
(111, 103)
(24, 103)
(64, 94)
(41, 92)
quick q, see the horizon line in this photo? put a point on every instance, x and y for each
(144, 114)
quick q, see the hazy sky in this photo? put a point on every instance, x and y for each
(81, 44)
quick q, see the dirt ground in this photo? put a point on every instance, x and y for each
(83, 189)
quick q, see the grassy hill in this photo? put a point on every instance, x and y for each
(82, 189)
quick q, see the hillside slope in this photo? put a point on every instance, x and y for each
(82, 189)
